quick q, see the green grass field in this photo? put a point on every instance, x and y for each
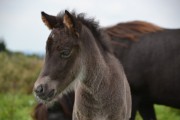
(164, 113)
(17, 75)
(16, 106)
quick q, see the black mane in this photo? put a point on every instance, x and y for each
(93, 25)
(89, 22)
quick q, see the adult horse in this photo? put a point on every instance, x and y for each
(79, 57)
(151, 63)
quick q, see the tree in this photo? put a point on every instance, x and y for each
(2, 45)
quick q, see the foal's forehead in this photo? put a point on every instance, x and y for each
(56, 32)
(60, 36)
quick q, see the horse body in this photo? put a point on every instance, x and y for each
(78, 57)
(161, 65)
(151, 65)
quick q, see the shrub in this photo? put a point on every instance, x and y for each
(18, 72)
(2, 45)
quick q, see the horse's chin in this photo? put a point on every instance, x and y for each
(48, 101)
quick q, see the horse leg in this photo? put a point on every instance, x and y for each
(147, 111)
(135, 105)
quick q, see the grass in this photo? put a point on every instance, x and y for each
(164, 113)
(16, 106)
(167, 113)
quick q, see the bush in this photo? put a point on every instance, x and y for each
(18, 72)
(2, 45)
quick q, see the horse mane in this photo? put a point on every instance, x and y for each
(93, 26)
(131, 30)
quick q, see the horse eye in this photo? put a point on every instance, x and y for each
(65, 53)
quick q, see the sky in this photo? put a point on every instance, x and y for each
(23, 30)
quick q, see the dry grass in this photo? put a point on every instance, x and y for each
(18, 72)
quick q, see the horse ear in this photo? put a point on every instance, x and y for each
(49, 20)
(71, 23)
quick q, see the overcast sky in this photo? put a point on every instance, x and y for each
(23, 30)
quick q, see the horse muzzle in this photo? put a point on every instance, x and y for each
(43, 93)
(45, 89)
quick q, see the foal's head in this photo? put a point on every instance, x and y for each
(63, 55)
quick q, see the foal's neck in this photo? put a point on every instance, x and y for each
(94, 63)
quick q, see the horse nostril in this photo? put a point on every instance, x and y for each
(51, 93)
(39, 89)
(43, 92)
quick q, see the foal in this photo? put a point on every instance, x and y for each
(79, 58)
